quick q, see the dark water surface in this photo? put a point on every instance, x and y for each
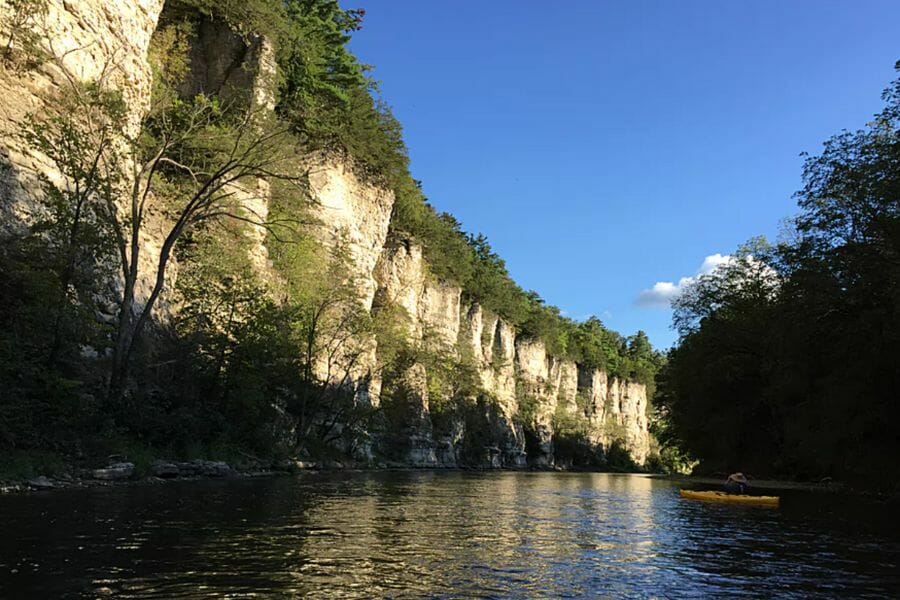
(440, 534)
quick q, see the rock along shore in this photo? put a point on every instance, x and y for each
(121, 472)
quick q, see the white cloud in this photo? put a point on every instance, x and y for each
(711, 262)
(663, 292)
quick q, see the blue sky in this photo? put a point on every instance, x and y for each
(604, 147)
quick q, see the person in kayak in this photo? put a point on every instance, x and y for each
(736, 484)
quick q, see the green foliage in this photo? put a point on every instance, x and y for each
(327, 328)
(788, 363)
(247, 16)
(449, 255)
(489, 282)
(390, 326)
(23, 43)
(224, 369)
(670, 460)
(471, 262)
(324, 92)
(667, 452)
(19, 465)
(478, 417)
(571, 439)
(453, 383)
(618, 459)
(168, 57)
(528, 405)
(229, 335)
(45, 393)
(642, 362)
(327, 96)
(716, 378)
(53, 276)
(595, 347)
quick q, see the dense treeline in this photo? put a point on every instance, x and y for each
(789, 357)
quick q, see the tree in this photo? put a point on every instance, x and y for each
(713, 386)
(331, 332)
(747, 279)
(787, 361)
(19, 21)
(644, 361)
(841, 314)
(208, 162)
(72, 225)
(187, 161)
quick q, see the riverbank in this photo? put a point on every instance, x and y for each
(827, 486)
(124, 473)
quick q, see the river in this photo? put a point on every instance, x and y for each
(440, 534)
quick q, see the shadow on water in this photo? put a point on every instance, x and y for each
(440, 534)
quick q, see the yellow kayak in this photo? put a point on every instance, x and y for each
(711, 496)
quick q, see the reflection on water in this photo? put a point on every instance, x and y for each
(413, 534)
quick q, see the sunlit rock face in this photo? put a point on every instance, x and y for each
(88, 40)
(96, 40)
(519, 385)
(349, 216)
(633, 417)
(539, 377)
(492, 343)
(352, 213)
(593, 386)
(431, 307)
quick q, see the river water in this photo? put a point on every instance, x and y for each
(440, 534)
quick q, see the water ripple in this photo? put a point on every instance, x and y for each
(440, 535)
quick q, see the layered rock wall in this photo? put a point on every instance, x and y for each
(86, 40)
(527, 389)
(520, 389)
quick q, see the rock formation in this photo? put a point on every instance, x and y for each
(521, 390)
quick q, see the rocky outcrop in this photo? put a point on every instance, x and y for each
(520, 387)
(352, 214)
(114, 472)
(627, 418)
(508, 417)
(88, 40)
(492, 343)
(85, 40)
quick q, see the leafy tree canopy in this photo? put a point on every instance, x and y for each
(788, 361)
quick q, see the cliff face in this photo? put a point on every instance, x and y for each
(354, 214)
(88, 40)
(525, 387)
(511, 416)
(91, 40)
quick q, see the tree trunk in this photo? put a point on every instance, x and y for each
(119, 370)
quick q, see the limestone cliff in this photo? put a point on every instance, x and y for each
(527, 389)
(510, 415)
(85, 40)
